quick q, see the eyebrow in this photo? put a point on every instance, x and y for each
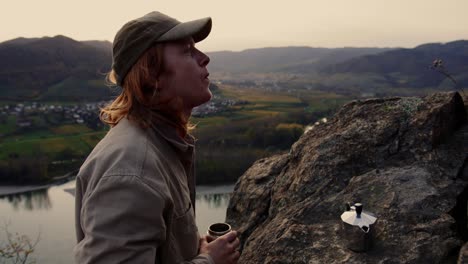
(187, 42)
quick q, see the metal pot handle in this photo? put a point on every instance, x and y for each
(366, 229)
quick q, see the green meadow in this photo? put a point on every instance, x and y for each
(228, 142)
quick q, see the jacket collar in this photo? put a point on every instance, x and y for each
(169, 133)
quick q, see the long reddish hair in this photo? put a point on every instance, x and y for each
(139, 100)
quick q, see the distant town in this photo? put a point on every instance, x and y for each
(37, 114)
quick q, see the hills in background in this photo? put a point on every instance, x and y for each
(60, 68)
(351, 71)
(409, 68)
(283, 59)
(53, 68)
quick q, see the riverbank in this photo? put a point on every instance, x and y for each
(14, 189)
(201, 189)
(215, 189)
(18, 189)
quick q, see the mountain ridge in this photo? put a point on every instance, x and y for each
(410, 67)
(61, 68)
(29, 67)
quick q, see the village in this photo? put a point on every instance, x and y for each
(31, 115)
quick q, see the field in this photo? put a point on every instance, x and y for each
(262, 123)
(50, 144)
(263, 104)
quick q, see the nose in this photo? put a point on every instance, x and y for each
(203, 59)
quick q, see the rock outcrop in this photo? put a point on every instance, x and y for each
(405, 159)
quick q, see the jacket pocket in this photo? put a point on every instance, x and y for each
(185, 234)
(182, 212)
(185, 222)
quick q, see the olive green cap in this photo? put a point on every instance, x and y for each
(138, 35)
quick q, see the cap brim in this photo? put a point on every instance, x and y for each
(197, 29)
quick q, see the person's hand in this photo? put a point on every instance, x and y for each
(222, 249)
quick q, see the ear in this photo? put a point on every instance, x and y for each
(160, 82)
(161, 85)
(155, 93)
(156, 85)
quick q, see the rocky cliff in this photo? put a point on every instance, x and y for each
(405, 159)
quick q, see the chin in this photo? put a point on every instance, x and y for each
(207, 98)
(210, 95)
(202, 99)
(207, 95)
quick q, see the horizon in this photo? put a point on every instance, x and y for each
(244, 25)
(267, 47)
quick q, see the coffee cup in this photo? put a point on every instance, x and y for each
(218, 229)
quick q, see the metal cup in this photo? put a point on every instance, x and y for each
(218, 229)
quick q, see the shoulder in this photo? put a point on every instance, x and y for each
(122, 152)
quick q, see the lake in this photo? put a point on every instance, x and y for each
(50, 214)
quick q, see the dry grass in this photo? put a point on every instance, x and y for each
(256, 95)
(70, 129)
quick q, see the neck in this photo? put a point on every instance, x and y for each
(177, 122)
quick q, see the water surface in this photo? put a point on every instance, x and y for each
(50, 214)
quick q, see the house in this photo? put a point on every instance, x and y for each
(23, 123)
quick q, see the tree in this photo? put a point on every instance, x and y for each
(16, 248)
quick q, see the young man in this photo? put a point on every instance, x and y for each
(135, 193)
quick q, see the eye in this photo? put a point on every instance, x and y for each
(188, 49)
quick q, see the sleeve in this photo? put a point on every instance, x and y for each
(202, 259)
(123, 222)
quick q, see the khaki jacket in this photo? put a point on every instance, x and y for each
(135, 197)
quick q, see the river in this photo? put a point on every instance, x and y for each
(49, 213)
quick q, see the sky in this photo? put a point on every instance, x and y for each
(244, 24)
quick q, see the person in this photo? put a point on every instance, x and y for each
(135, 193)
